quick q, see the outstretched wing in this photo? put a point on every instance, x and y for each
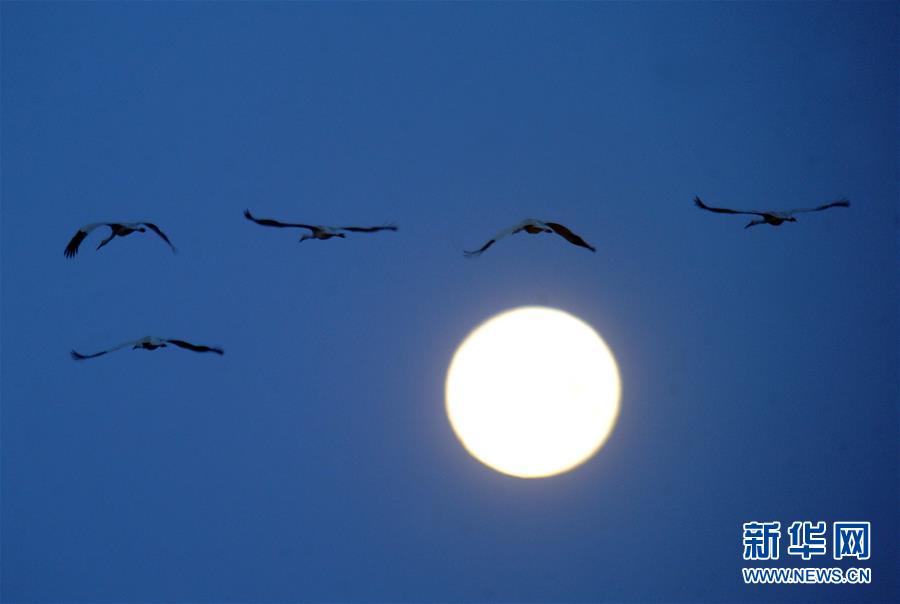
(83, 232)
(493, 240)
(473, 253)
(569, 235)
(275, 223)
(840, 203)
(159, 232)
(80, 357)
(699, 203)
(386, 227)
(195, 347)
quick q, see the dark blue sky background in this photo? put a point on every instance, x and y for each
(314, 460)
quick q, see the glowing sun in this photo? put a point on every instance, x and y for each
(533, 392)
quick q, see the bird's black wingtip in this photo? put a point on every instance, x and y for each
(248, 215)
(698, 202)
(76, 355)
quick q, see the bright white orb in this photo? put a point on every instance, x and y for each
(533, 392)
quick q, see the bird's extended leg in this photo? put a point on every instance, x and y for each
(107, 240)
(754, 223)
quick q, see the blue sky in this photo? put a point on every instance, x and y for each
(314, 462)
